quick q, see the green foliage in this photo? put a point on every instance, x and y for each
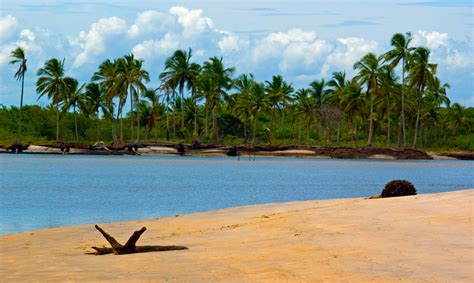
(210, 103)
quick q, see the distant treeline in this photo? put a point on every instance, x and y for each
(211, 103)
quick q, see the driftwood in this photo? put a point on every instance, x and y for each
(130, 247)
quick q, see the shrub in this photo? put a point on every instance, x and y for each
(398, 188)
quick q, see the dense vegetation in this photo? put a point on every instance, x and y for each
(213, 104)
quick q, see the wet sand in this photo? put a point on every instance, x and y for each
(424, 238)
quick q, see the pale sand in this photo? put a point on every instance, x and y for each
(424, 238)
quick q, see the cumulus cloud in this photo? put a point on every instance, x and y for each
(8, 25)
(348, 51)
(152, 48)
(232, 43)
(432, 40)
(92, 42)
(457, 59)
(192, 21)
(294, 49)
(150, 22)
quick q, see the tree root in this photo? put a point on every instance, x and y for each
(130, 247)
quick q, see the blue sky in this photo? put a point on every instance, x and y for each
(301, 40)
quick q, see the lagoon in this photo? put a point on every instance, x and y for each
(44, 191)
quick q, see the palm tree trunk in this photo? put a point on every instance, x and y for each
(98, 128)
(131, 114)
(388, 130)
(207, 126)
(338, 139)
(356, 132)
(75, 123)
(174, 126)
(138, 120)
(254, 127)
(308, 127)
(167, 124)
(57, 113)
(400, 134)
(182, 111)
(403, 104)
(371, 124)
(214, 125)
(21, 106)
(417, 116)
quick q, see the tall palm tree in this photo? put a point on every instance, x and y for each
(74, 98)
(154, 99)
(52, 82)
(400, 52)
(306, 104)
(369, 71)
(459, 119)
(180, 72)
(337, 86)
(219, 79)
(95, 103)
(279, 95)
(19, 58)
(135, 77)
(388, 88)
(244, 85)
(108, 77)
(421, 74)
(257, 101)
(353, 102)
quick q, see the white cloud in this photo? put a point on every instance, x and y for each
(456, 59)
(8, 25)
(432, 40)
(232, 43)
(348, 51)
(151, 48)
(150, 22)
(92, 42)
(293, 49)
(192, 21)
(27, 34)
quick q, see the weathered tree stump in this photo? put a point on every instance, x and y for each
(130, 247)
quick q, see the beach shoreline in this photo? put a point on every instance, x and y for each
(166, 149)
(417, 238)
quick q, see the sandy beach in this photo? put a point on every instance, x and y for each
(424, 238)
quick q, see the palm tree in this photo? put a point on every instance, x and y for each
(19, 58)
(279, 95)
(94, 103)
(388, 87)
(168, 95)
(244, 85)
(74, 97)
(353, 102)
(135, 76)
(369, 72)
(52, 82)
(180, 72)
(217, 79)
(400, 52)
(307, 105)
(257, 101)
(421, 74)
(459, 119)
(154, 99)
(337, 86)
(108, 77)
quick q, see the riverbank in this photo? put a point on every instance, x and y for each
(418, 238)
(165, 148)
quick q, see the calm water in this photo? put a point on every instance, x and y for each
(39, 191)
